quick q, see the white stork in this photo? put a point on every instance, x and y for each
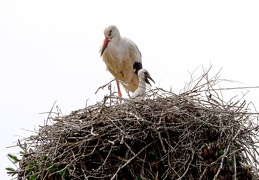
(122, 58)
(140, 93)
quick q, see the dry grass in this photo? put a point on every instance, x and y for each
(193, 135)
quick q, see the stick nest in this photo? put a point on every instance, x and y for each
(192, 135)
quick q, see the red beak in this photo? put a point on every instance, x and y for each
(105, 44)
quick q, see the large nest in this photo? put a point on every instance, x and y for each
(193, 135)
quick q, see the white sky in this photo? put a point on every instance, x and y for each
(49, 50)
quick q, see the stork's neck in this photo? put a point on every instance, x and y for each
(116, 39)
(142, 85)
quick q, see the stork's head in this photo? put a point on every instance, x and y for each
(111, 32)
(144, 74)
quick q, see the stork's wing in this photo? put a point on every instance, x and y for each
(135, 56)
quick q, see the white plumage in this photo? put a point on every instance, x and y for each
(122, 58)
(140, 93)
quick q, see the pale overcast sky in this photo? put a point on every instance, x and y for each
(49, 50)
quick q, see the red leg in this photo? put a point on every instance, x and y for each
(119, 90)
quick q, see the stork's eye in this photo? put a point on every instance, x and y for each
(110, 32)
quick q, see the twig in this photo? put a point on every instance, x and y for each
(235, 167)
(125, 164)
(103, 86)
